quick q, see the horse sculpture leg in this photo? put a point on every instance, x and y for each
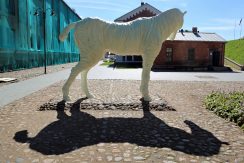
(74, 72)
(145, 77)
(84, 86)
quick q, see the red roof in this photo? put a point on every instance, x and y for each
(138, 10)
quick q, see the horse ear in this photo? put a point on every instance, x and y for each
(184, 12)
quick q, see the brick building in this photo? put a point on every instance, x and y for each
(192, 49)
(189, 49)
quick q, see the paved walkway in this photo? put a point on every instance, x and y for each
(15, 91)
(75, 132)
(102, 72)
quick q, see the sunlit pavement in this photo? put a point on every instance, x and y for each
(104, 72)
(12, 92)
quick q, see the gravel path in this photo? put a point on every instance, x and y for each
(186, 132)
(34, 72)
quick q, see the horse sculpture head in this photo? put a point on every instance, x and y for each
(176, 17)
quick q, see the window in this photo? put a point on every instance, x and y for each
(129, 58)
(137, 58)
(191, 54)
(169, 55)
(66, 19)
(10, 4)
(31, 41)
(124, 58)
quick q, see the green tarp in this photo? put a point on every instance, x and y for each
(22, 34)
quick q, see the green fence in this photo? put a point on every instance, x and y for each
(22, 34)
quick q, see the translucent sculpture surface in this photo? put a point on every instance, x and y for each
(143, 36)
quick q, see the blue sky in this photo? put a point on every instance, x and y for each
(218, 16)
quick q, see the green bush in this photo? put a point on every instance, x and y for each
(227, 105)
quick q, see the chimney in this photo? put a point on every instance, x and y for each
(194, 30)
(142, 3)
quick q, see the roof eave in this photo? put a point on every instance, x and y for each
(71, 9)
(198, 41)
(120, 18)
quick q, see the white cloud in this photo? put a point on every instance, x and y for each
(101, 8)
(167, 0)
(179, 1)
(102, 5)
(183, 4)
(226, 21)
(216, 28)
(219, 24)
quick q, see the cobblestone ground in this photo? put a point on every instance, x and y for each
(115, 127)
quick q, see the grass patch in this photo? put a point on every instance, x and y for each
(107, 63)
(235, 50)
(227, 105)
(121, 65)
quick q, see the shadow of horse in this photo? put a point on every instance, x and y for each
(82, 129)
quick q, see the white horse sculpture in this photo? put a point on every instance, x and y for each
(143, 36)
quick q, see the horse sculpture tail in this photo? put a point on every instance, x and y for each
(66, 31)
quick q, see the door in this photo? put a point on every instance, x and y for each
(216, 58)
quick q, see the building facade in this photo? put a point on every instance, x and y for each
(22, 40)
(190, 49)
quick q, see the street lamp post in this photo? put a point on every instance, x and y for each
(52, 13)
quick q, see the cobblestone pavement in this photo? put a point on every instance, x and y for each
(117, 127)
(25, 74)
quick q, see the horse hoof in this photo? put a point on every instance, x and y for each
(90, 96)
(66, 98)
(147, 99)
